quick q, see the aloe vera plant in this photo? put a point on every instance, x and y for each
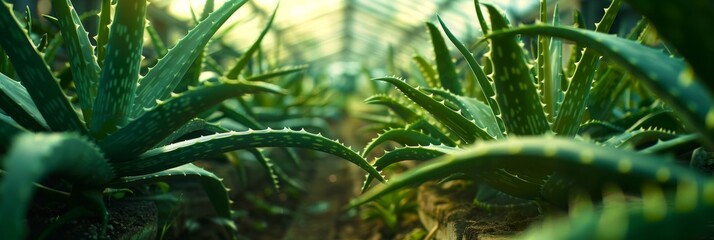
(122, 130)
(527, 136)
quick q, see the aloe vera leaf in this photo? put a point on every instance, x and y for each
(573, 107)
(267, 163)
(425, 152)
(103, 30)
(403, 111)
(676, 146)
(663, 119)
(194, 125)
(576, 51)
(687, 26)
(608, 77)
(8, 130)
(651, 218)
(84, 66)
(216, 191)
(591, 166)
(518, 100)
(427, 71)
(483, 81)
(401, 136)
(545, 85)
(598, 130)
(190, 78)
(481, 19)
(36, 76)
(475, 110)
(669, 78)
(244, 119)
(467, 130)
(444, 64)
(553, 71)
(16, 102)
(251, 123)
(423, 125)
(32, 157)
(166, 75)
(276, 73)
(235, 71)
(187, 151)
(604, 94)
(156, 41)
(120, 70)
(610, 80)
(159, 122)
(638, 137)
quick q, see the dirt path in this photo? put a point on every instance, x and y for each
(335, 182)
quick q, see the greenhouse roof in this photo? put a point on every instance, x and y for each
(322, 32)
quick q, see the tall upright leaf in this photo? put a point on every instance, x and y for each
(483, 81)
(444, 65)
(519, 102)
(103, 30)
(84, 66)
(573, 108)
(120, 70)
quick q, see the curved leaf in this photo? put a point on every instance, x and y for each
(168, 72)
(31, 158)
(158, 123)
(403, 111)
(475, 110)
(406, 153)
(454, 121)
(589, 165)
(216, 191)
(483, 81)
(188, 151)
(401, 136)
(686, 25)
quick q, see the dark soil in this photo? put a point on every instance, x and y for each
(127, 219)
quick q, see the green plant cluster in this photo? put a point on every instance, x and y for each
(124, 129)
(616, 120)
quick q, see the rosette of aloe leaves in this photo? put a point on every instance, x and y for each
(122, 129)
(617, 121)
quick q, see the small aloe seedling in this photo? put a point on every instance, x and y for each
(121, 131)
(522, 138)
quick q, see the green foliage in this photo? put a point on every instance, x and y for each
(551, 151)
(141, 130)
